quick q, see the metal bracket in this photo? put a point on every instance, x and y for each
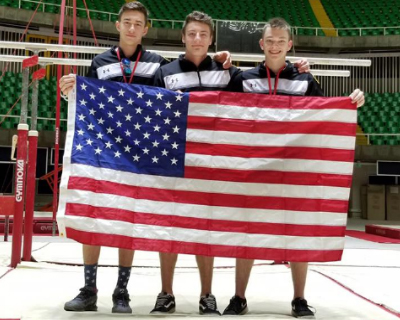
(13, 147)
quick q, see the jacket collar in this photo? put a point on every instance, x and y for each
(188, 65)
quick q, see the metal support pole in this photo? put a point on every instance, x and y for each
(20, 172)
(19, 193)
(31, 171)
(30, 194)
(74, 31)
(57, 131)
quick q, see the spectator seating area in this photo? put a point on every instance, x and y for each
(343, 14)
(379, 115)
(10, 90)
(364, 14)
(296, 12)
(53, 6)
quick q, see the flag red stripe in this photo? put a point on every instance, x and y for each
(270, 102)
(204, 224)
(276, 127)
(110, 240)
(305, 153)
(209, 199)
(273, 177)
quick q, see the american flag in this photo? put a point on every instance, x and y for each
(208, 173)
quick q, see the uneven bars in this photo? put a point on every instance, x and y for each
(175, 54)
(79, 62)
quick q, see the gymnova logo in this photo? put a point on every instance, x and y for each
(20, 180)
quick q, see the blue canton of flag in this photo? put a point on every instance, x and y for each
(133, 128)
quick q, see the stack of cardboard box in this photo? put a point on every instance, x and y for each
(379, 202)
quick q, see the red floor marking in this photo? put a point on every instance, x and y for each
(383, 307)
(2, 276)
(370, 237)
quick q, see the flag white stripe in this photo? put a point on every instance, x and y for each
(67, 161)
(273, 140)
(203, 236)
(206, 212)
(271, 114)
(222, 187)
(286, 165)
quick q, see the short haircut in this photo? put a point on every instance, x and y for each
(278, 23)
(198, 16)
(133, 6)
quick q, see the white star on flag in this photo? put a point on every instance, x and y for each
(109, 145)
(177, 114)
(175, 145)
(100, 121)
(127, 133)
(154, 159)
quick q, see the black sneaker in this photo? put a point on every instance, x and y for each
(165, 303)
(300, 309)
(237, 306)
(121, 300)
(208, 305)
(84, 301)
